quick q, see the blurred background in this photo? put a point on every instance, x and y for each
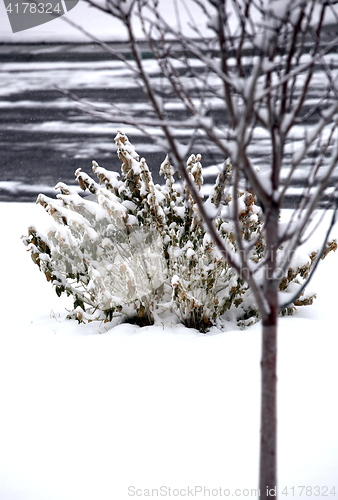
(44, 137)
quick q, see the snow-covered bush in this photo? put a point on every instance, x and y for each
(135, 250)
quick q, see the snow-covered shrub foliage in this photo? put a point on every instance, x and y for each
(134, 249)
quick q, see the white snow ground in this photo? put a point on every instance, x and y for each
(87, 412)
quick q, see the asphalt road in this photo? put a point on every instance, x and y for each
(44, 138)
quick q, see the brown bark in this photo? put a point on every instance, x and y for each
(268, 443)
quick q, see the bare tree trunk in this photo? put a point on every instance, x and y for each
(268, 445)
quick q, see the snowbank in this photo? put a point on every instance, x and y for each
(87, 412)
